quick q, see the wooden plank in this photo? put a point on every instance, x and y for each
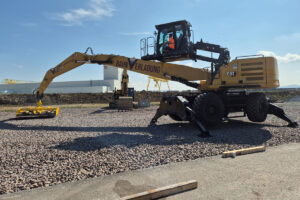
(239, 152)
(163, 191)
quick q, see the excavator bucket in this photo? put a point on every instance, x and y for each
(37, 112)
(125, 103)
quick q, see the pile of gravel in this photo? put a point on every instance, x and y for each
(90, 142)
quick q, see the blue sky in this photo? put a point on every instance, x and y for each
(37, 35)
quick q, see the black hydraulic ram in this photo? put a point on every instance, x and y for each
(193, 118)
(181, 108)
(278, 112)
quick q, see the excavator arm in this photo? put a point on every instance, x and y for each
(169, 71)
(124, 82)
(151, 68)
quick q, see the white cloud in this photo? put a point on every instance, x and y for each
(95, 10)
(287, 58)
(135, 33)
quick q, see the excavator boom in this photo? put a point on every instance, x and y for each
(151, 68)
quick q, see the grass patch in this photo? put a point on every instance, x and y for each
(155, 103)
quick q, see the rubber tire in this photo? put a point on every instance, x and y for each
(175, 117)
(257, 107)
(204, 103)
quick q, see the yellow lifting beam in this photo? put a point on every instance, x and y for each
(158, 82)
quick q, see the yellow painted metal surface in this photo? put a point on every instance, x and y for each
(257, 72)
(38, 111)
(158, 82)
(151, 68)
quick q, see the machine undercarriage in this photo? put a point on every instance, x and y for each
(207, 109)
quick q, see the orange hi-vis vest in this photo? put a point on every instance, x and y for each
(171, 43)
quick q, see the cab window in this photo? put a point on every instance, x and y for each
(179, 36)
(163, 42)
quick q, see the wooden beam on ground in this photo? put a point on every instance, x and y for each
(163, 191)
(243, 151)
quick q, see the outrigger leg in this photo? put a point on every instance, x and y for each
(279, 112)
(179, 107)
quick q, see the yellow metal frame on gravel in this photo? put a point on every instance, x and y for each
(38, 111)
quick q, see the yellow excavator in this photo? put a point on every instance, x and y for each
(125, 93)
(221, 88)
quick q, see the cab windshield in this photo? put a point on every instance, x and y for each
(170, 40)
(164, 37)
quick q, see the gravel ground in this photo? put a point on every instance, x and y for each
(88, 142)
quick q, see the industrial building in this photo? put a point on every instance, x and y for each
(111, 80)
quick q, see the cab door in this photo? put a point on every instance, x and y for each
(230, 74)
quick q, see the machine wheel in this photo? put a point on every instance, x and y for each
(209, 108)
(175, 117)
(257, 107)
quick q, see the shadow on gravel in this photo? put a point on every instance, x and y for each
(234, 132)
(231, 132)
(101, 110)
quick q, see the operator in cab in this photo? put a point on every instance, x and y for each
(171, 42)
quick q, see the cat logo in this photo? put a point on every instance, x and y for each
(231, 74)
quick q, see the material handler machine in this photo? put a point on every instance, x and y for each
(222, 88)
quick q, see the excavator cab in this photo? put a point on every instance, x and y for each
(172, 42)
